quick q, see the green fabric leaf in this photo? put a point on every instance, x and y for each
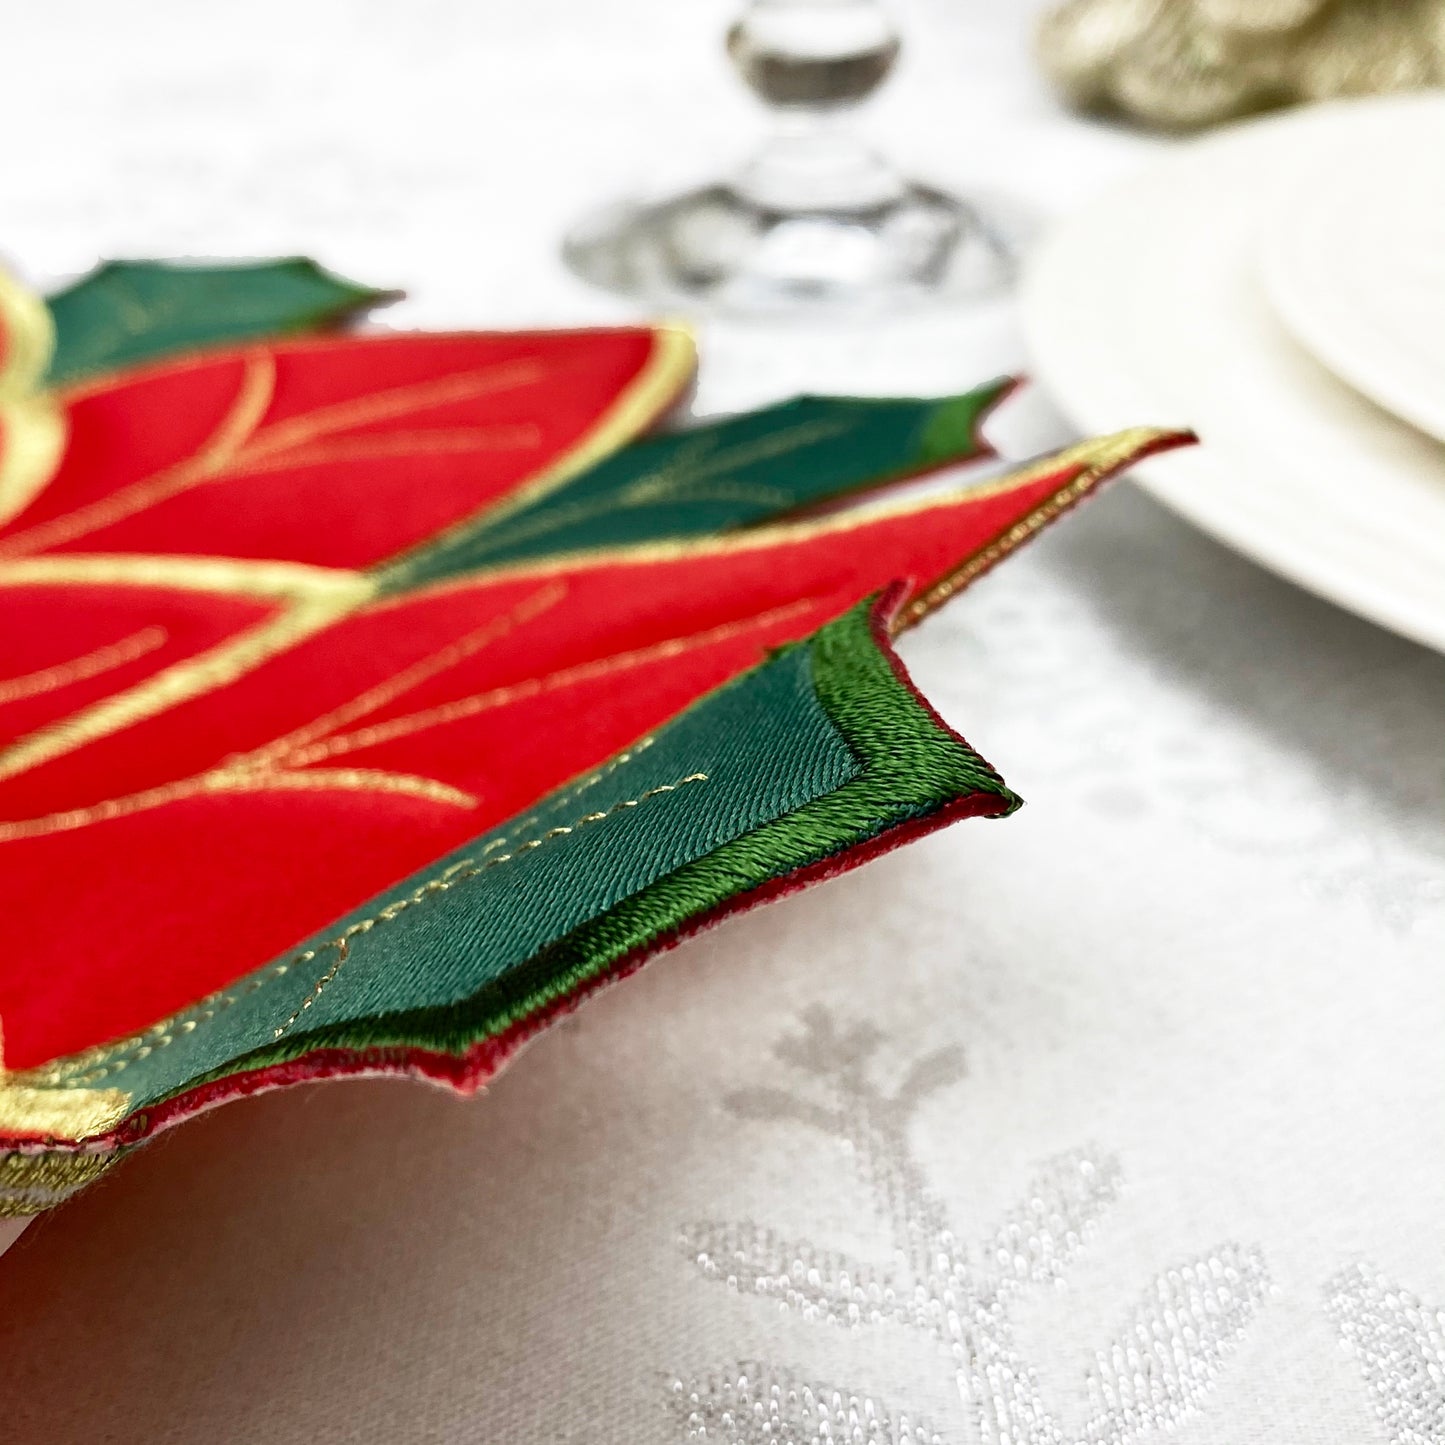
(126, 312)
(813, 753)
(717, 477)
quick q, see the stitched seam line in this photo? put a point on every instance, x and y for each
(1101, 460)
(458, 872)
(572, 793)
(55, 1074)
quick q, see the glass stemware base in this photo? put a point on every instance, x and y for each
(731, 247)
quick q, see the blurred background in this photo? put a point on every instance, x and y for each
(447, 148)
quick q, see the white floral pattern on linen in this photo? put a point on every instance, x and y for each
(1298, 766)
(955, 1295)
(1400, 1343)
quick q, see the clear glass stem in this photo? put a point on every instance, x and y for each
(816, 217)
(813, 162)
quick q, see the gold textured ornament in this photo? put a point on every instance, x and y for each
(1181, 64)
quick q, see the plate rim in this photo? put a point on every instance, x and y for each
(1091, 395)
(1410, 396)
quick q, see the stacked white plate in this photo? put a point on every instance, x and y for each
(1280, 288)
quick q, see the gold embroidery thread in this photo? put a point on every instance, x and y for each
(671, 362)
(466, 707)
(63, 1074)
(1107, 453)
(269, 766)
(460, 872)
(81, 669)
(239, 441)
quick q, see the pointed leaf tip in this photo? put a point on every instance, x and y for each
(127, 312)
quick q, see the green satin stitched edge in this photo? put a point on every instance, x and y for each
(912, 766)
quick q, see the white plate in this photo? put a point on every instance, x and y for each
(1146, 307)
(1353, 259)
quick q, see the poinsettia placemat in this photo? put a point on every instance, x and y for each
(369, 701)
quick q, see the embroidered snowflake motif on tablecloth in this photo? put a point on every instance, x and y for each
(955, 1295)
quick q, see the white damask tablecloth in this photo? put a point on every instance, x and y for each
(1123, 1116)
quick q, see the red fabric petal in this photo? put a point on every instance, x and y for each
(65, 647)
(336, 451)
